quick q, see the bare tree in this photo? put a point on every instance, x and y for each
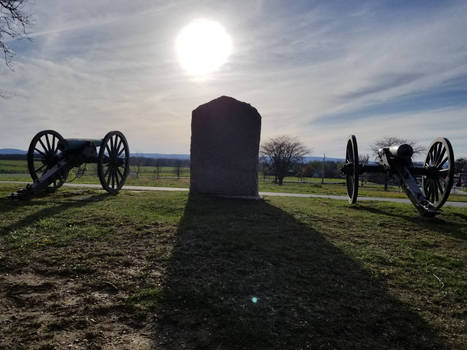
(139, 163)
(263, 166)
(178, 169)
(282, 153)
(389, 141)
(13, 21)
(363, 160)
(461, 165)
(157, 170)
(461, 171)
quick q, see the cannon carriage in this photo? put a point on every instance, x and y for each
(436, 174)
(51, 157)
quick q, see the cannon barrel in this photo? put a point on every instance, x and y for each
(403, 151)
(76, 144)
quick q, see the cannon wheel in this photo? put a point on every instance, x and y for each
(43, 154)
(351, 161)
(439, 162)
(113, 161)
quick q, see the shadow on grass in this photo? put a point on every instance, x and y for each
(461, 216)
(45, 212)
(247, 275)
(439, 224)
(7, 204)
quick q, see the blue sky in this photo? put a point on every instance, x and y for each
(318, 70)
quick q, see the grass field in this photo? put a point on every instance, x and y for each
(83, 269)
(11, 170)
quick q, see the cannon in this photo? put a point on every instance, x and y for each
(50, 158)
(436, 175)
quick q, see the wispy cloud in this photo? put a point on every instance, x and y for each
(318, 71)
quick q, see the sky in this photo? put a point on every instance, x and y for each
(315, 70)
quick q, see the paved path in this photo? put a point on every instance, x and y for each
(274, 194)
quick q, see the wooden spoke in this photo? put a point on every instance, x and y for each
(49, 148)
(114, 146)
(440, 164)
(117, 180)
(107, 172)
(434, 154)
(47, 168)
(120, 173)
(111, 146)
(430, 191)
(440, 157)
(43, 146)
(54, 145)
(114, 142)
(113, 177)
(40, 168)
(440, 185)
(41, 153)
(117, 145)
(107, 177)
(118, 148)
(108, 150)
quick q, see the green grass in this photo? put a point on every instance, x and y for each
(183, 272)
(167, 178)
(13, 166)
(21, 167)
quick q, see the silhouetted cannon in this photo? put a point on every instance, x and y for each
(437, 173)
(51, 157)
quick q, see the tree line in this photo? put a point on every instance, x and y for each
(283, 156)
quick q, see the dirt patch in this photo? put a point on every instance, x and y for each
(75, 297)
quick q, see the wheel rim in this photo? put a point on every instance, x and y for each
(113, 161)
(44, 152)
(351, 160)
(439, 163)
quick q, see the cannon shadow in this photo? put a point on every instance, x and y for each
(51, 211)
(448, 228)
(248, 275)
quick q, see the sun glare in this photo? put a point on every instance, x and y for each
(203, 46)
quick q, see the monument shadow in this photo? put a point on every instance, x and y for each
(248, 275)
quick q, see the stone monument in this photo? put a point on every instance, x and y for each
(225, 136)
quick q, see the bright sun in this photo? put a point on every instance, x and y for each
(202, 47)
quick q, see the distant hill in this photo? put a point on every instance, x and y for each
(12, 151)
(330, 159)
(162, 156)
(187, 156)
